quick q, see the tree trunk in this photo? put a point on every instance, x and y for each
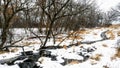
(48, 33)
(3, 37)
(5, 30)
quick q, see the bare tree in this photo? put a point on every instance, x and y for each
(10, 8)
(67, 14)
(114, 13)
(52, 11)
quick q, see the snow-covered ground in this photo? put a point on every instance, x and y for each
(100, 54)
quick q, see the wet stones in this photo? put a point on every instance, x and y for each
(91, 49)
(53, 58)
(27, 53)
(86, 52)
(45, 53)
(28, 63)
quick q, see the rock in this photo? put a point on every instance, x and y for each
(28, 63)
(91, 49)
(27, 53)
(45, 53)
(53, 58)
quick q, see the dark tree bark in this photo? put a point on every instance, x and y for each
(10, 9)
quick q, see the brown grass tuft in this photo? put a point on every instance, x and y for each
(111, 35)
(118, 53)
(115, 26)
(113, 58)
(105, 66)
(65, 47)
(118, 33)
(75, 37)
(74, 62)
(81, 46)
(96, 57)
(58, 39)
(95, 33)
(14, 50)
(26, 43)
(2, 52)
(105, 45)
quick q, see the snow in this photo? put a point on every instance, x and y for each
(6, 66)
(106, 49)
(5, 57)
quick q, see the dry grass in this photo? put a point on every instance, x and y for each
(2, 52)
(10, 50)
(74, 62)
(27, 43)
(79, 42)
(118, 53)
(83, 31)
(115, 26)
(113, 58)
(58, 40)
(77, 34)
(81, 46)
(96, 57)
(111, 35)
(95, 33)
(75, 37)
(14, 50)
(105, 66)
(105, 45)
(65, 47)
(118, 33)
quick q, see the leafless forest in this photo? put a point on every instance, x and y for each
(55, 16)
